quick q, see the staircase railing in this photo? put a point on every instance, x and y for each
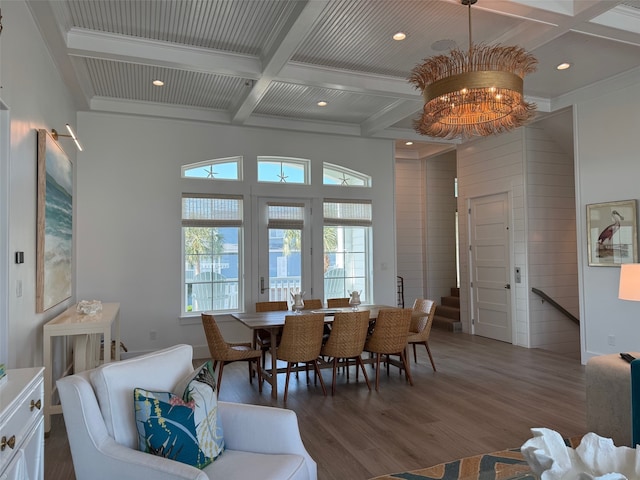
(559, 307)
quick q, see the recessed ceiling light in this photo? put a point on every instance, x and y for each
(399, 36)
(158, 83)
(322, 103)
(408, 143)
(563, 66)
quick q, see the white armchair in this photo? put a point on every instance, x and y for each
(261, 442)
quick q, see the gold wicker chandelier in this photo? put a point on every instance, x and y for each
(478, 92)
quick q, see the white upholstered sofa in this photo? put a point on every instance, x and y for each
(261, 442)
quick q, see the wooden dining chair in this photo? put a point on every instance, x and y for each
(389, 337)
(261, 336)
(420, 328)
(338, 302)
(223, 352)
(346, 341)
(301, 342)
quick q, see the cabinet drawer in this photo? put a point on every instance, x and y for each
(16, 427)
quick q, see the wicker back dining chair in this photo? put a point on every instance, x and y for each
(389, 337)
(338, 302)
(312, 304)
(223, 352)
(420, 329)
(273, 306)
(301, 342)
(261, 336)
(346, 341)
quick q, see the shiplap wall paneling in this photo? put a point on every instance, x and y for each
(485, 167)
(552, 243)
(410, 231)
(441, 227)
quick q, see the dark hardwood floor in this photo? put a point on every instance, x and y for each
(485, 396)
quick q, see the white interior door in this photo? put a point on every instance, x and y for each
(490, 261)
(284, 262)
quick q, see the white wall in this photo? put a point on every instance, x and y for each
(410, 227)
(551, 237)
(128, 215)
(607, 169)
(489, 166)
(537, 175)
(441, 226)
(425, 225)
(36, 98)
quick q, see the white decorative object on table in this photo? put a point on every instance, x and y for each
(298, 303)
(354, 301)
(89, 307)
(595, 458)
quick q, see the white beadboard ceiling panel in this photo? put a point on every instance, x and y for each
(268, 62)
(300, 101)
(238, 26)
(547, 80)
(357, 34)
(127, 81)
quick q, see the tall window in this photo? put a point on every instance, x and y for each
(212, 246)
(347, 249)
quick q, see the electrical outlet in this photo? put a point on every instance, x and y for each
(611, 340)
(153, 335)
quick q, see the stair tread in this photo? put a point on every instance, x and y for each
(441, 318)
(446, 323)
(449, 312)
(450, 301)
(447, 315)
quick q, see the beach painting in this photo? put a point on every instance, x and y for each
(55, 224)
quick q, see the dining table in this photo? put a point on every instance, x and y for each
(274, 321)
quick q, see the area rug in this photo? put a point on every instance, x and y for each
(502, 465)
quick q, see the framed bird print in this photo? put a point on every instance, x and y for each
(612, 233)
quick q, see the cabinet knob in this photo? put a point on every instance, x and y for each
(37, 404)
(11, 443)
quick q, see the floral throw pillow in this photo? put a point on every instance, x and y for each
(182, 427)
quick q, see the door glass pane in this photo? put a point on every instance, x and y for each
(285, 263)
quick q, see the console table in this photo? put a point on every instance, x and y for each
(87, 331)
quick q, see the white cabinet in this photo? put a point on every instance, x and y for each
(22, 425)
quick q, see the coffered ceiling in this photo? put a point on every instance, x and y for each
(269, 62)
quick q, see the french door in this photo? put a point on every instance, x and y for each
(284, 260)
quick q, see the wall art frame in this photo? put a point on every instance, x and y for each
(54, 252)
(612, 233)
